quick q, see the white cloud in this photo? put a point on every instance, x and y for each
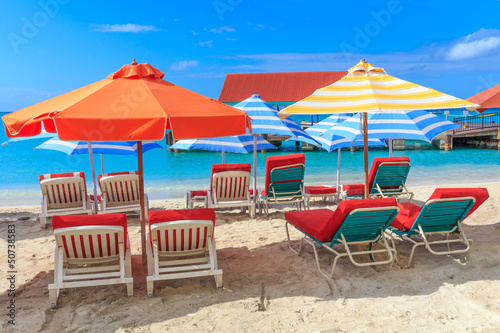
(261, 26)
(222, 29)
(473, 48)
(177, 20)
(194, 33)
(129, 27)
(231, 38)
(184, 64)
(208, 43)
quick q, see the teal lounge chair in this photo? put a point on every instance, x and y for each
(284, 181)
(387, 179)
(353, 222)
(441, 214)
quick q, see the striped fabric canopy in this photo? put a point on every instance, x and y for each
(265, 119)
(230, 144)
(331, 142)
(369, 89)
(395, 124)
(81, 147)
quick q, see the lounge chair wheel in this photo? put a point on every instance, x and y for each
(150, 295)
(52, 305)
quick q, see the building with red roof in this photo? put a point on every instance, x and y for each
(278, 89)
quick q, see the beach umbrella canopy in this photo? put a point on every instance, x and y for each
(265, 120)
(366, 88)
(241, 144)
(81, 147)
(43, 135)
(134, 103)
(102, 148)
(395, 124)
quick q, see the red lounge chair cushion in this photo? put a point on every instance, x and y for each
(198, 193)
(158, 216)
(320, 190)
(407, 215)
(354, 189)
(323, 224)
(216, 168)
(65, 221)
(280, 160)
(481, 194)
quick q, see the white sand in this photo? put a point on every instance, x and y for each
(266, 286)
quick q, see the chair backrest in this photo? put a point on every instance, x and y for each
(287, 181)
(388, 173)
(277, 168)
(364, 221)
(96, 238)
(230, 186)
(216, 168)
(182, 237)
(120, 188)
(480, 195)
(63, 190)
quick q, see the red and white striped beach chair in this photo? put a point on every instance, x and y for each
(83, 245)
(229, 187)
(120, 192)
(181, 244)
(63, 194)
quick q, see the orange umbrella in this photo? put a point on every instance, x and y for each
(134, 103)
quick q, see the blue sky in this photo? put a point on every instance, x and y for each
(49, 47)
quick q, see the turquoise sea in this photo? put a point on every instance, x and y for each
(171, 175)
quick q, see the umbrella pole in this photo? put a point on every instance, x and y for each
(223, 159)
(255, 168)
(390, 147)
(365, 150)
(141, 201)
(92, 168)
(102, 164)
(338, 171)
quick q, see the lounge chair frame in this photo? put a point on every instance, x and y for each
(120, 194)
(164, 264)
(231, 189)
(63, 196)
(440, 216)
(191, 200)
(373, 221)
(334, 197)
(283, 191)
(76, 271)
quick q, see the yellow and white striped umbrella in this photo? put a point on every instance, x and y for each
(370, 89)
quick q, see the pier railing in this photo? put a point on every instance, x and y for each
(477, 122)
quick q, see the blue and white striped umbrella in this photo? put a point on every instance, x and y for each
(265, 119)
(395, 124)
(229, 144)
(330, 142)
(81, 147)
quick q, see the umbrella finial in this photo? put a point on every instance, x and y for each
(133, 62)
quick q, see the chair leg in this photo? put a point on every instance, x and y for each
(150, 287)
(43, 222)
(218, 281)
(187, 201)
